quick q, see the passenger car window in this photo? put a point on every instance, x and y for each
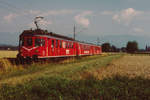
(60, 44)
(56, 43)
(64, 44)
(52, 44)
(39, 42)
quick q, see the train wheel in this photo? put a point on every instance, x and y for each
(20, 59)
(35, 58)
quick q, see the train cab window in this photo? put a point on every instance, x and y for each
(52, 44)
(21, 42)
(39, 42)
(29, 41)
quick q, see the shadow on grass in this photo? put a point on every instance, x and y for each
(50, 88)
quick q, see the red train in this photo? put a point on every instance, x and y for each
(34, 44)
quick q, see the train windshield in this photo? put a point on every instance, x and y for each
(29, 41)
(39, 42)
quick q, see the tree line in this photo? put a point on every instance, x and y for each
(131, 47)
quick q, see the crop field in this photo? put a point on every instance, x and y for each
(101, 77)
(8, 54)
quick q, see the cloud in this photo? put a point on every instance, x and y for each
(81, 18)
(34, 12)
(45, 23)
(126, 16)
(41, 23)
(10, 17)
(138, 30)
(57, 12)
(107, 13)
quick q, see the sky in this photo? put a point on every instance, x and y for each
(93, 19)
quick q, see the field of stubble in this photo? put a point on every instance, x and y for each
(130, 66)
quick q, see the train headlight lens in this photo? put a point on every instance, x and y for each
(37, 51)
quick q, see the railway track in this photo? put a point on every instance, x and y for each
(15, 61)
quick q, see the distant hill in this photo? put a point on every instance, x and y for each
(7, 38)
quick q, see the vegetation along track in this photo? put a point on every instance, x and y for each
(106, 77)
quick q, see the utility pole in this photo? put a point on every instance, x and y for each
(74, 32)
(98, 41)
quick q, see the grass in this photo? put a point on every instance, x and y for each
(66, 69)
(107, 77)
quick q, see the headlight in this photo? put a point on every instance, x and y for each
(36, 50)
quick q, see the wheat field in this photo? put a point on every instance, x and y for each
(8, 54)
(129, 66)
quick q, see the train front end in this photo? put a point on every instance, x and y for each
(30, 46)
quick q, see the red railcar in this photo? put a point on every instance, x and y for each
(38, 43)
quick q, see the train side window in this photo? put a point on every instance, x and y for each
(64, 44)
(60, 44)
(72, 44)
(42, 42)
(52, 46)
(39, 42)
(68, 44)
(56, 43)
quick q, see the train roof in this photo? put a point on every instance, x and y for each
(45, 32)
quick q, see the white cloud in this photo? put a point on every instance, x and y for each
(126, 16)
(10, 17)
(81, 18)
(34, 12)
(41, 23)
(107, 13)
(138, 30)
(56, 12)
(45, 23)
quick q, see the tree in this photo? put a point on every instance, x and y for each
(132, 46)
(106, 47)
(113, 48)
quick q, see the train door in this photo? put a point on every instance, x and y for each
(49, 47)
(44, 46)
(74, 49)
(56, 47)
(52, 51)
(40, 42)
(60, 48)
